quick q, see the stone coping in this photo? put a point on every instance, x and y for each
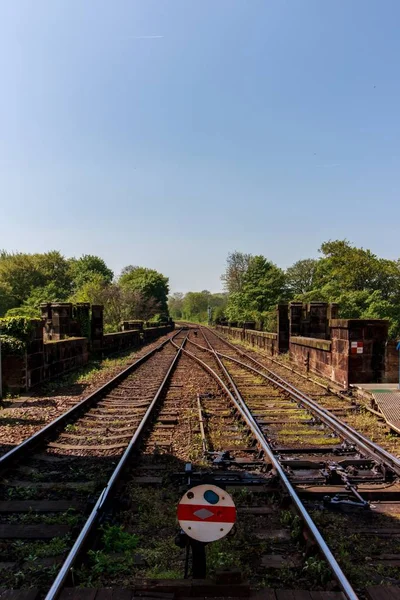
(266, 334)
(312, 343)
(65, 340)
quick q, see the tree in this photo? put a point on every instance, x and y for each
(364, 285)
(300, 276)
(25, 275)
(237, 264)
(151, 284)
(84, 269)
(263, 285)
(120, 304)
(175, 305)
(195, 306)
(7, 302)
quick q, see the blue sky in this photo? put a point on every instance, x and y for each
(168, 133)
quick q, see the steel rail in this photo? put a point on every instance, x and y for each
(346, 431)
(107, 492)
(201, 423)
(241, 406)
(52, 428)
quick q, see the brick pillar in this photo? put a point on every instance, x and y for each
(358, 350)
(46, 314)
(283, 327)
(296, 316)
(333, 310)
(318, 315)
(97, 327)
(340, 351)
(82, 317)
(367, 339)
(34, 353)
(61, 319)
(332, 313)
(391, 363)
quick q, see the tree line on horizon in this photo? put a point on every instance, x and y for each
(363, 284)
(27, 280)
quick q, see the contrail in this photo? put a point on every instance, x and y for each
(145, 37)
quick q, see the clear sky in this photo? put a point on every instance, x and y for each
(167, 133)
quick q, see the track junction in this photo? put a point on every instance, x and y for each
(318, 501)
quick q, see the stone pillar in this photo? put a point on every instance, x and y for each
(367, 341)
(82, 317)
(340, 351)
(296, 316)
(333, 310)
(97, 327)
(46, 313)
(318, 316)
(332, 313)
(358, 350)
(34, 353)
(283, 327)
(61, 319)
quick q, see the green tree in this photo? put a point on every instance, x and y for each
(24, 278)
(151, 284)
(88, 267)
(237, 264)
(195, 306)
(300, 276)
(364, 285)
(175, 305)
(263, 286)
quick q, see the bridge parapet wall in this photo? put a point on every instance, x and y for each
(358, 350)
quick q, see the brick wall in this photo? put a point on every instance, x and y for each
(262, 339)
(313, 354)
(14, 373)
(338, 359)
(64, 355)
(123, 340)
(391, 363)
(152, 333)
(43, 360)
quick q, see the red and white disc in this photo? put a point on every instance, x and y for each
(206, 513)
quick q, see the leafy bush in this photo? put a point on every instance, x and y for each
(17, 327)
(11, 345)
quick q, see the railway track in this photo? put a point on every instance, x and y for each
(302, 480)
(205, 425)
(51, 481)
(330, 465)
